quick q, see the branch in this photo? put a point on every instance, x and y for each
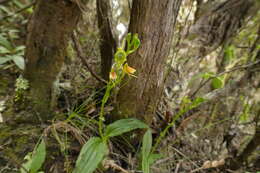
(246, 66)
(83, 59)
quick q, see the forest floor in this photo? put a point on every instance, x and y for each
(183, 150)
(201, 140)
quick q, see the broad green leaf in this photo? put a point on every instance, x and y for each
(4, 59)
(19, 48)
(147, 143)
(19, 61)
(122, 126)
(4, 50)
(91, 154)
(5, 9)
(26, 165)
(5, 43)
(18, 4)
(38, 157)
(146, 150)
(13, 33)
(217, 83)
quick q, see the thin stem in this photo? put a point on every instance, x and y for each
(184, 108)
(84, 61)
(101, 115)
(163, 133)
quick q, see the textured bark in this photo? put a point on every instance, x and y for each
(154, 22)
(220, 23)
(107, 42)
(49, 30)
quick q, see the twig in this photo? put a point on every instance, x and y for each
(14, 160)
(196, 170)
(18, 11)
(113, 165)
(83, 59)
(192, 162)
(227, 71)
(177, 168)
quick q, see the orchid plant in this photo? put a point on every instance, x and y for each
(119, 69)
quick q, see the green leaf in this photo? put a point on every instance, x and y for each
(197, 102)
(147, 143)
(245, 115)
(146, 150)
(5, 43)
(38, 157)
(26, 165)
(4, 59)
(5, 9)
(145, 165)
(19, 48)
(154, 157)
(217, 83)
(229, 53)
(207, 75)
(91, 154)
(122, 126)
(19, 61)
(18, 4)
(4, 50)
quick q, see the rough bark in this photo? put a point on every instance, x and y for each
(154, 22)
(49, 30)
(220, 23)
(107, 41)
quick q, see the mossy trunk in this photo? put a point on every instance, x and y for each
(154, 22)
(49, 30)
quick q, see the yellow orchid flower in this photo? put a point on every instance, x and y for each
(129, 70)
(112, 75)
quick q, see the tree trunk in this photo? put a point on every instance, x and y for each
(220, 23)
(50, 27)
(107, 42)
(154, 22)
